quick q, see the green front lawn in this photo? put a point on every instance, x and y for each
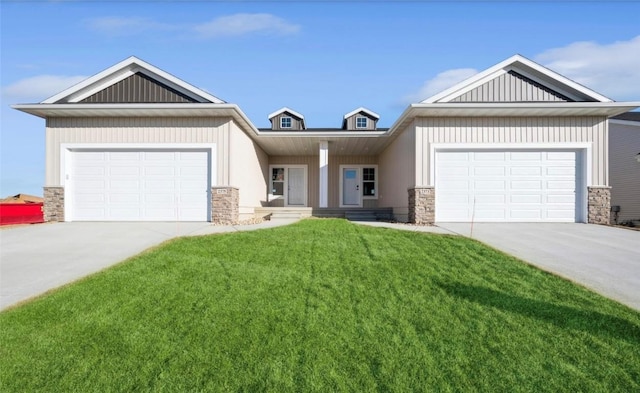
(322, 305)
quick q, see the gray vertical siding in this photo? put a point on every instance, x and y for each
(511, 87)
(350, 122)
(136, 130)
(521, 130)
(138, 88)
(296, 123)
(624, 173)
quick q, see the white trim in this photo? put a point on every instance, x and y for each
(120, 71)
(514, 63)
(362, 109)
(66, 149)
(358, 168)
(323, 197)
(285, 109)
(584, 150)
(285, 185)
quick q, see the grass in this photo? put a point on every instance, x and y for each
(319, 306)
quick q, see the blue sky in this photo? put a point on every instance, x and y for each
(321, 58)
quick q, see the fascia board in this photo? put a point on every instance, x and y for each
(362, 109)
(471, 82)
(557, 77)
(285, 109)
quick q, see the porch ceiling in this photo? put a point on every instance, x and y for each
(302, 144)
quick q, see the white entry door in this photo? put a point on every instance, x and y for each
(296, 185)
(350, 187)
(503, 186)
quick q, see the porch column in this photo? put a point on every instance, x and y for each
(324, 175)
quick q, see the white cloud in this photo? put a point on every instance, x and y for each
(38, 88)
(442, 81)
(116, 26)
(610, 69)
(241, 24)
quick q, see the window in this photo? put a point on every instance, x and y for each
(369, 181)
(361, 122)
(277, 180)
(285, 122)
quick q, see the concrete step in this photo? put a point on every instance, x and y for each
(360, 216)
(285, 215)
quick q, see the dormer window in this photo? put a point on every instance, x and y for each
(361, 122)
(285, 122)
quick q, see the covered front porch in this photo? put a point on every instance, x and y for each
(332, 170)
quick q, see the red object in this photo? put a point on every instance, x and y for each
(21, 213)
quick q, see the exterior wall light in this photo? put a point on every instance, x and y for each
(638, 157)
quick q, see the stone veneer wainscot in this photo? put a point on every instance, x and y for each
(599, 202)
(225, 205)
(422, 205)
(53, 204)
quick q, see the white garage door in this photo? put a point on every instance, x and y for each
(511, 186)
(139, 185)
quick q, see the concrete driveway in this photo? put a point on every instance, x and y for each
(604, 259)
(37, 258)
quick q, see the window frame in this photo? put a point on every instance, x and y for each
(282, 120)
(366, 122)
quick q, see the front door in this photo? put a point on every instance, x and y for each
(350, 187)
(295, 184)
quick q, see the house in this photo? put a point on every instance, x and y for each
(624, 167)
(517, 142)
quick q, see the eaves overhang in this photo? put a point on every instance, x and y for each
(512, 109)
(140, 110)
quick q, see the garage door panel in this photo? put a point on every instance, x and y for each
(159, 157)
(489, 156)
(525, 156)
(561, 199)
(569, 171)
(140, 185)
(489, 171)
(529, 198)
(525, 171)
(124, 198)
(566, 185)
(489, 185)
(489, 199)
(526, 185)
(506, 186)
(159, 171)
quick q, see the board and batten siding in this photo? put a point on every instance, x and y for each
(296, 123)
(511, 87)
(624, 169)
(88, 130)
(513, 130)
(313, 175)
(137, 88)
(351, 122)
(248, 170)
